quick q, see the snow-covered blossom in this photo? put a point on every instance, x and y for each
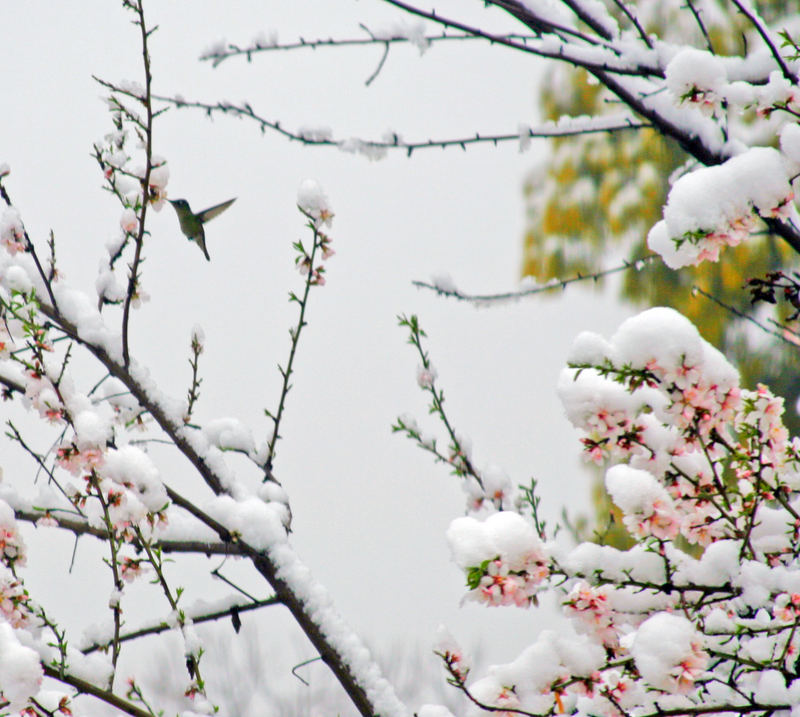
(696, 77)
(450, 651)
(718, 206)
(426, 375)
(20, 672)
(43, 397)
(77, 462)
(129, 222)
(313, 201)
(14, 600)
(591, 608)
(12, 231)
(669, 653)
(133, 489)
(159, 177)
(12, 546)
(494, 492)
(503, 558)
(647, 506)
(693, 457)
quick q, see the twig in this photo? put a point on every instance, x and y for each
(217, 57)
(194, 389)
(552, 285)
(148, 147)
(196, 619)
(217, 574)
(701, 25)
(88, 688)
(303, 664)
(622, 5)
(294, 333)
(595, 125)
(753, 17)
(81, 527)
(733, 310)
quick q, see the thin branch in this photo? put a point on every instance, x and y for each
(758, 24)
(133, 278)
(194, 389)
(736, 312)
(539, 289)
(11, 385)
(85, 687)
(562, 53)
(701, 25)
(322, 138)
(622, 5)
(29, 247)
(286, 373)
(217, 574)
(378, 69)
(303, 664)
(785, 329)
(81, 527)
(218, 56)
(160, 627)
(17, 436)
(545, 26)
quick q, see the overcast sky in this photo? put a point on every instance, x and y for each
(370, 510)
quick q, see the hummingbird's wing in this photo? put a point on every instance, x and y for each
(211, 212)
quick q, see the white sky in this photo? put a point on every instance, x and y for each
(370, 510)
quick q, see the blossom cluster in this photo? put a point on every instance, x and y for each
(695, 460)
(719, 206)
(14, 600)
(314, 204)
(12, 231)
(126, 175)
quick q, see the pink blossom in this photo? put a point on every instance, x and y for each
(131, 568)
(426, 375)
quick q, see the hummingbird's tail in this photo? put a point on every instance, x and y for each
(202, 245)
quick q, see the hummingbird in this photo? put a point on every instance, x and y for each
(192, 223)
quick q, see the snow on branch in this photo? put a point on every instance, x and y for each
(377, 149)
(444, 285)
(392, 35)
(714, 106)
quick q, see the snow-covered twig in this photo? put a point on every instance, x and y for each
(444, 287)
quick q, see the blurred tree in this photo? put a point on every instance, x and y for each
(597, 194)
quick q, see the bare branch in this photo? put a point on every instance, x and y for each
(750, 13)
(622, 5)
(218, 56)
(85, 687)
(198, 618)
(701, 25)
(81, 527)
(551, 285)
(133, 277)
(733, 310)
(563, 128)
